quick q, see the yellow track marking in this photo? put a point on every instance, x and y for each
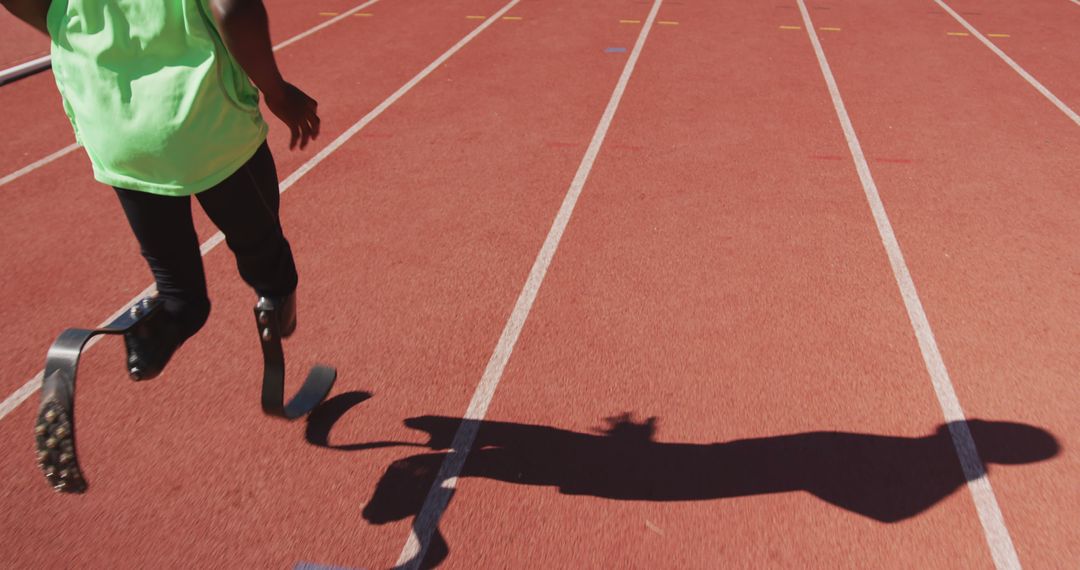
(997, 35)
(829, 29)
(790, 27)
(363, 14)
(667, 23)
(957, 34)
(475, 17)
(328, 13)
(512, 18)
(629, 21)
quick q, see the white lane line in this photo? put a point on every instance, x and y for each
(20, 395)
(438, 497)
(36, 165)
(32, 167)
(325, 24)
(31, 385)
(32, 66)
(997, 535)
(1016, 67)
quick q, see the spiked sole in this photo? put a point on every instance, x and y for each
(54, 429)
(54, 433)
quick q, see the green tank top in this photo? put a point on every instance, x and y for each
(153, 94)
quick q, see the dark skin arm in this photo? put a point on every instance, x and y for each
(245, 28)
(32, 12)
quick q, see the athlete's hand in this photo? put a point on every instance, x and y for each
(297, 111)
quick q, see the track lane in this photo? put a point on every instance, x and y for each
(1041, 38)
(1038, 298)
(19, 43)
(726, 278)
(984, 207)
(34, 124)
(431, 222)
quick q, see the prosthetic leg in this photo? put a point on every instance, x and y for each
(54, 430)
(275, 318)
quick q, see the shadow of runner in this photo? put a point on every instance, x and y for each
(884, 478)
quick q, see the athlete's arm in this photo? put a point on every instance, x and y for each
(245, 28)
(32, 12)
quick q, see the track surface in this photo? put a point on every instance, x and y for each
(718, 369)
(19, 43)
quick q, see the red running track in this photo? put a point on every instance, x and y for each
(721, 273)
(987, 216)
(19, 43)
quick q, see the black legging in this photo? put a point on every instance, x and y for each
(244, 207)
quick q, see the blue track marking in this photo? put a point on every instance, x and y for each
(313, 566)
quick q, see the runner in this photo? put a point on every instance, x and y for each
(158, 93)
